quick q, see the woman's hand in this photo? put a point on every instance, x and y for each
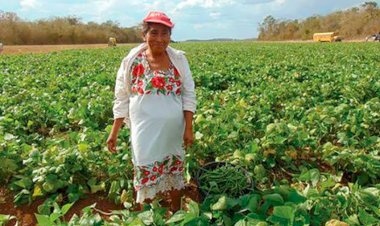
(188, 137)
(111, 143)
(112, 138)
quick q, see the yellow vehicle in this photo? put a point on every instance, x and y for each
(327, 37)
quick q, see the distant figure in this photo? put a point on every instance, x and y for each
(1, 47)
(373, 38)
(112, 42)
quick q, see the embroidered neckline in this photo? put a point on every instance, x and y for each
(149, 69)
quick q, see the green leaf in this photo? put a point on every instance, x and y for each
(193, 208)
(274, 198)
(178, 216)
(137, 222)
(254, 147)
(221, 204)
(43, 220)
(314, 176)
(253, 203)
(146, 217)
(24, 183)
(353, 220)
(295, 197)
(241, 222)
(54, 216)
(286, 212)
(83, 147)
(48, 186)
(367, 219)
(9, 165)
(66, 208)
(198, 221)
(5, 218)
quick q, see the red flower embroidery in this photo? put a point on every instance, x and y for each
(145, 174)
(171, 80)
(158, 82)
(140, 90)
(169, 87)
(178, 91)
(133, 80)
(178, 82)
(140, 83)
(138, 70)
(176, 73)
(148, 92)
(143, 181)
(161, 169)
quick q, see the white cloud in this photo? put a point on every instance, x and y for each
(215, 15)
(203, 4)
(29, 4)
(104, 5)
(254, 2)
(200, 26)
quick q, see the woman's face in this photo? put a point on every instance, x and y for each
(157, 37)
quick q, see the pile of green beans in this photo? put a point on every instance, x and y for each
(227, 179)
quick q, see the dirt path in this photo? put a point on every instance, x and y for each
(22, 49)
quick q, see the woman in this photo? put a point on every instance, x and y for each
(155, 97)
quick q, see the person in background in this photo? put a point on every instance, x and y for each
(155, 97)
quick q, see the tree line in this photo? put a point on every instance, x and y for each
(62, 30)
(354, 23)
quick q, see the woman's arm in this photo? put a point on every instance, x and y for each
(120, 109)
(188, 136)
(189, 104)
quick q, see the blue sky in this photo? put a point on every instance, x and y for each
(194, 19)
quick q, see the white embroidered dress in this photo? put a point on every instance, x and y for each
(156, 119)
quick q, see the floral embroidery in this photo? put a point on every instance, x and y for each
(176, 73)
(158, 82)
(146, 81)
(138, 70)
(151, 174)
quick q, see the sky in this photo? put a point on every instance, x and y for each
(194, 19)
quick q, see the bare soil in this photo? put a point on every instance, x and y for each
(22, 49)
(25, 213)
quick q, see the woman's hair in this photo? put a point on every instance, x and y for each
(146, 27)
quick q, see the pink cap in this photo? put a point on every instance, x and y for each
(158, 17)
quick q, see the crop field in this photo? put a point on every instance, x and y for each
(298, 124)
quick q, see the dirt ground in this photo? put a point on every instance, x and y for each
(22, 49)
(25, 213)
